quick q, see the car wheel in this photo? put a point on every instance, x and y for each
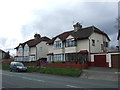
(18, 70)
(10, 70)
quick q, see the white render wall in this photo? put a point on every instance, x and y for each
(82, 45)
(50, 49)
(32, 51)
(42, 50)
(99, 38)
(70, 49)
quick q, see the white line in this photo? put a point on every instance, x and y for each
(117, 72)
(33, 79)
(72, 86)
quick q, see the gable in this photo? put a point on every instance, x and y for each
(69, 37)
(57, 39)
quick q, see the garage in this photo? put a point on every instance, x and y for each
(100, 60)
(115, 60)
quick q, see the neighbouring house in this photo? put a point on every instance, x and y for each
(2, 54)
(32, 50)
(77, 45)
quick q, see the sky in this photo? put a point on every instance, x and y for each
(21, 19)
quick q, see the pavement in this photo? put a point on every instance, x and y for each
(101, 73)
(37, 80)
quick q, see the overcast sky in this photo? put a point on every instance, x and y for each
(21, 19)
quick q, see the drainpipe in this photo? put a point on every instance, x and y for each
(89, 51)
(36, 53)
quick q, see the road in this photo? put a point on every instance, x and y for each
(36, 80)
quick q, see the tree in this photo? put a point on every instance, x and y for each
(7, 55)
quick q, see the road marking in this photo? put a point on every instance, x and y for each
(33, 79)
(72, 86)
(117, 72)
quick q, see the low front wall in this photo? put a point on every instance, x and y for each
(93, 64)
(33, 63)
(66, 65)
(7, 61)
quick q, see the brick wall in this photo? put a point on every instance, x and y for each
(66, 65)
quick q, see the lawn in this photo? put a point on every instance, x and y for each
(61, 71)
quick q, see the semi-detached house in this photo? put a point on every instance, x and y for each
(32, 50)
(76, 45)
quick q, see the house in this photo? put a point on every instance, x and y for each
(2, 54)
(77, 45)
(32, 50)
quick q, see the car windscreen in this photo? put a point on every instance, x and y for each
(19, 64)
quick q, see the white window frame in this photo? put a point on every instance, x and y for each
(58, 44)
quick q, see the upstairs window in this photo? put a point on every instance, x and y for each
(105, 44)
(58, 44)
(93, 42)
(20, 49)
(26, 48)
(70, 42)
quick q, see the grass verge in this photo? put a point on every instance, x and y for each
(62, 71)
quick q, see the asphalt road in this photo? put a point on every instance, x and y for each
(36, 80)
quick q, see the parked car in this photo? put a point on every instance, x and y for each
(17, 66)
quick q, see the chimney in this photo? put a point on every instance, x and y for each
(37, 36)
(77, 26)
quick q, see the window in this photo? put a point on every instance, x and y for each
(50, 57)
(58, 44)
(20, 49)
(70, 42)
(58, 57)
(26, 48)
(26, 58)
(32, 58)
(70, 57)
(41, 48)
(105, 44)
(102, 47)
(93, 42)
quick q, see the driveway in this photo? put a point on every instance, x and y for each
(100, 73)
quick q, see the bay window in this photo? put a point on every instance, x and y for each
(58, 57)
(70, 42)
(58, 44)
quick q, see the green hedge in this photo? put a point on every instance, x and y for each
(62, 71)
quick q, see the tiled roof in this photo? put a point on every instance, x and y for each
(33, 42)
(82, 33)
